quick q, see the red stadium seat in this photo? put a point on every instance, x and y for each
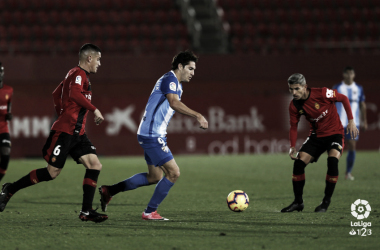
(121, 31)
(157, 32)
(109, 32)
(133, 31)
(86, 32)
(102, 17)
(250, 30)
(144, 31)
(181, 31)
(161, 16)
(48, 32)
(168, 31)
(125, 17)
(90, 17)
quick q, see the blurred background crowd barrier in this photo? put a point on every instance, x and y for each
(247, 51)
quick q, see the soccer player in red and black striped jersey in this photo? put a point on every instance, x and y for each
(72, 101)
(6, 93)
(326, 134)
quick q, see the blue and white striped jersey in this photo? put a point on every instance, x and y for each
(158, 112)
(355, 94)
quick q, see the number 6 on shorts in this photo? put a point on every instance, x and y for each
(57, 150)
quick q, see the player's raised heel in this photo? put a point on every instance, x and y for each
(105, 197)
(322, 208)
(4, 196)
(293, 207)
(92, 215)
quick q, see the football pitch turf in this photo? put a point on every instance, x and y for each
(45, 216)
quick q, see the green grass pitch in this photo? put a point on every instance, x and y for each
(45, 216)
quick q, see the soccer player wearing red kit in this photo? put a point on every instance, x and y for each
(72, 100)
(326, 134)
(6, 93)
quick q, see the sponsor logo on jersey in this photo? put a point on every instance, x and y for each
(330, 93)
(173, 86)
(4, 107)
(320, 117)
(78, 80)
(301, 111)
(316, 105)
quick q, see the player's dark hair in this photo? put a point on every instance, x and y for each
(347, 68)
(88, 47)
(297, 78)
(184, 58)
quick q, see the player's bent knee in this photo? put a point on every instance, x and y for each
(96, 166)
(53, 171)
(299, 167)
(174, 175)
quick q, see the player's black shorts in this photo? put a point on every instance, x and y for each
(5, 140)
(59, 144)
(315, 146)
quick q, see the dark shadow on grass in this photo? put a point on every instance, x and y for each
(71, 203)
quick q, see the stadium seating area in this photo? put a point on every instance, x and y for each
(61, 26)
(303, 27)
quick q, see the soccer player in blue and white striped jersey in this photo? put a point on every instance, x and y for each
(164, 100)
(355, 94)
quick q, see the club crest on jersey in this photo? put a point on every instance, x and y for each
(316, 105)
(78, 80)
(301, 112)
(6, 97)
(173, 86)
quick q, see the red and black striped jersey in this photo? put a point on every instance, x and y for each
(6, 93)
(320, 111)
(72, 100)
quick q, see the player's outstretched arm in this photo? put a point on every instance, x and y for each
(180, 107)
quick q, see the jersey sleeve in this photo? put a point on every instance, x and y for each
(57, 93)
(9, 106)
(169, 85)
(294, 119)
(346, 104)
(75, 92)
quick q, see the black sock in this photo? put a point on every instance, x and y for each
(116, 188)
(89, 186)
(298, 180)
(4, 160)
(331, 177)
(34, 177)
